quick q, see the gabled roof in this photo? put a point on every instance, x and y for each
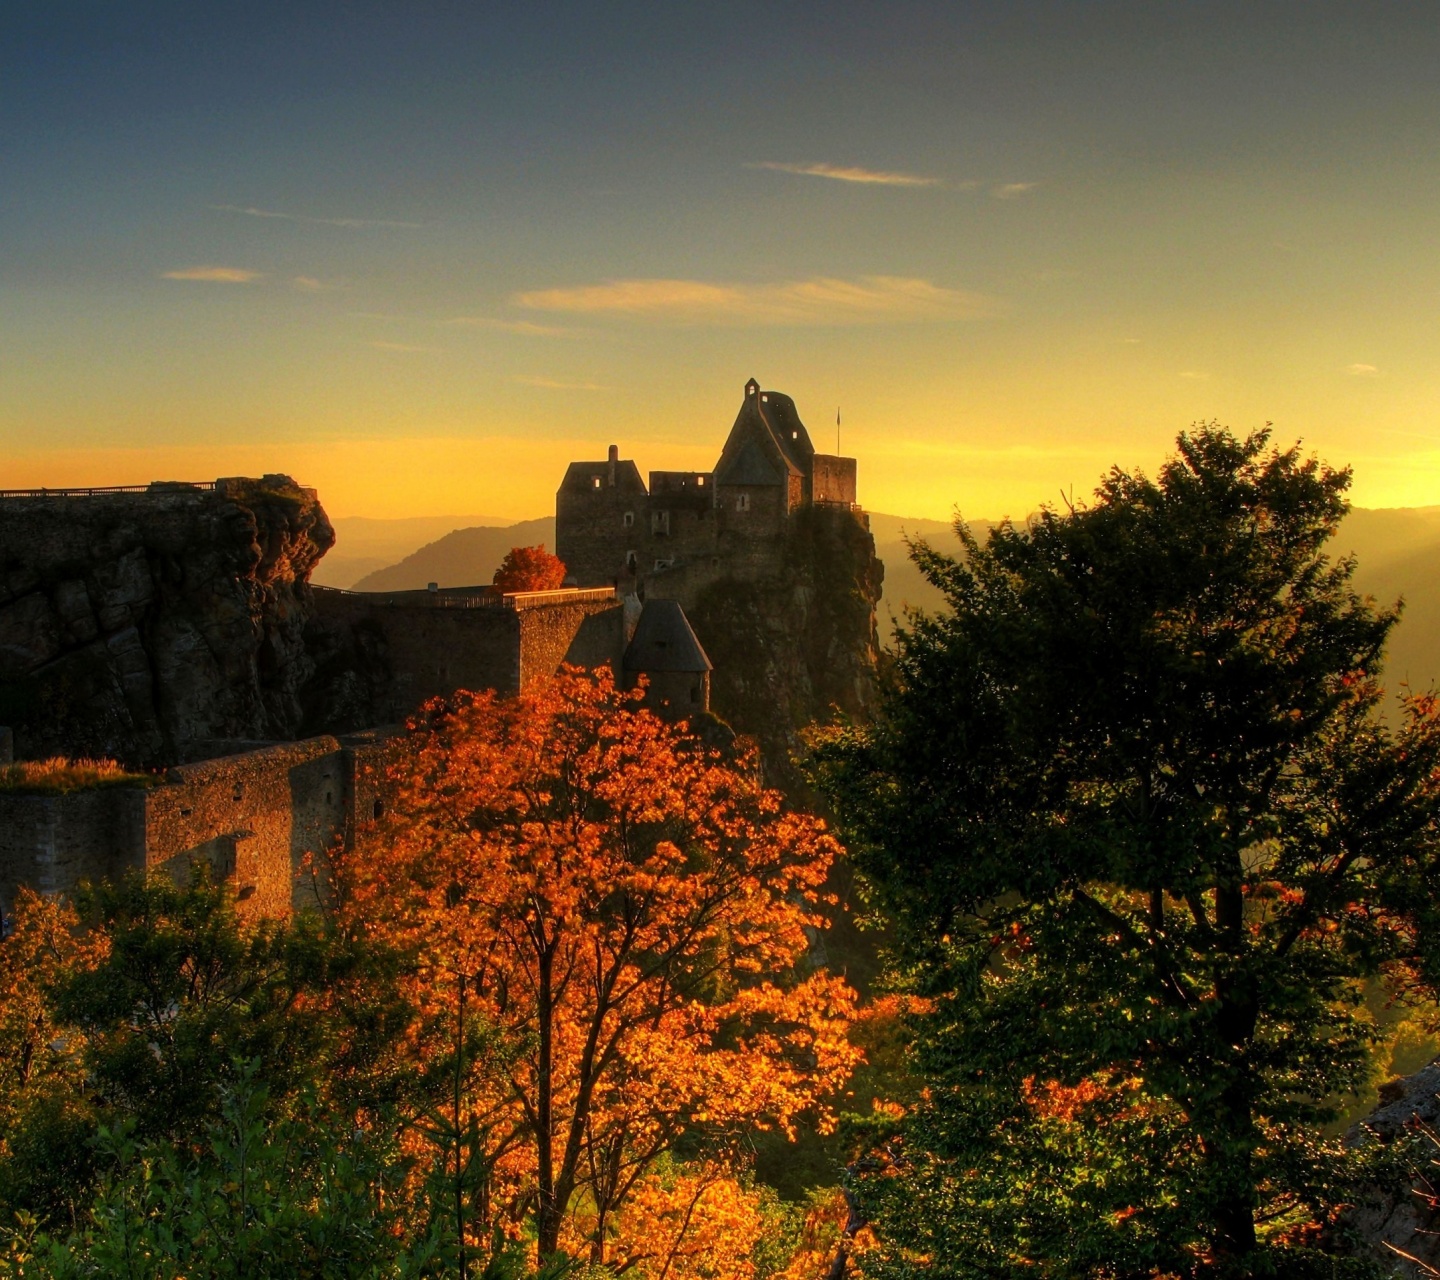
(580, 476)
(748, 465)
(664, 641)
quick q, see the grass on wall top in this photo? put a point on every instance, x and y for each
(60, 775)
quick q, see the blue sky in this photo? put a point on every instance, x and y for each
(420, 255)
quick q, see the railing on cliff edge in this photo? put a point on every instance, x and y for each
(422, 599)
(155, 486)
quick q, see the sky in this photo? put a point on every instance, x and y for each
(421, 255)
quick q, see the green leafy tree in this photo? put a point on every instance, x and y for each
(181, 989)
(272, 1193)
(1143, 836)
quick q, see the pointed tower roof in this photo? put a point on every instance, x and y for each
(768, 421)
(664, 641)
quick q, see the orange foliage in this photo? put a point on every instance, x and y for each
(691, 1223)
(530, 569)
(36, 1058)
(1051, 1100)
(627, 911)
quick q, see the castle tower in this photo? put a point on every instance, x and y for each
(601, 516)
(666, 651)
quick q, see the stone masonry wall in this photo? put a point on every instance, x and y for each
(380, 661)
(833, 479)
(584, 635)
(254, 818)
(53, 842)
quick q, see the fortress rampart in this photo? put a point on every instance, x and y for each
(395, 650)
(254, 819)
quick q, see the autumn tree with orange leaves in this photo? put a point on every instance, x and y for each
(625, 915)
(530, 569)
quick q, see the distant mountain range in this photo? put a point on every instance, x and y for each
(364, 544)
(462, 558)
(1397, 554)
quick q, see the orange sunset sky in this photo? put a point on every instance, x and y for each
(420, 256)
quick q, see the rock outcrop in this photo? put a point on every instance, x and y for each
(797, 645)
(1399, 1225)
(140, 624)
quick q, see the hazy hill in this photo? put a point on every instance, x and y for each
(462, 558)
(1397, 552)
(364, 544)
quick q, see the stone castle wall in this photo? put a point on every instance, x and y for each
(53, 842)
(384, 656)
(254, 819)
(832, 480)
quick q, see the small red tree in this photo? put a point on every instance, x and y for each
(530, 569)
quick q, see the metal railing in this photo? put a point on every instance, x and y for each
(156, 486)
(422, 599)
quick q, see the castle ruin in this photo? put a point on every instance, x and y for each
(174, 627)
(689, 528)
(769, 556)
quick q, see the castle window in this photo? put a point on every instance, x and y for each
(630, 562)
(629, 519)
(594, 482)
(742, 503)
(700, 481)
(660, 524)
(663, 564)
(766, 399)
(794, 435)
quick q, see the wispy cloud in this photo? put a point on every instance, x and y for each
(214, 275)
(398, 346)
(251, 212)
(1013, 190)
(1194, 375)
(309, 284)
(1362, 371)
(526, 327)
(850, 173)
(1131, 342)
(560, 384)
(821, 300)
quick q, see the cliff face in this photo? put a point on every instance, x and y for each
(135, 625)
(794, 645)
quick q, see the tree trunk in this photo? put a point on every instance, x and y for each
(549, 1212)
(1231, 1144)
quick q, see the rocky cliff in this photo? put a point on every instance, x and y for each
(1398, 1225)
(141, 624)
(794, 647)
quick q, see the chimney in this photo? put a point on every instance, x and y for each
(614, 458)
